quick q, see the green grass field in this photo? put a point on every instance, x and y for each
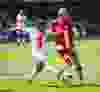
(89, 54)
(22, 86)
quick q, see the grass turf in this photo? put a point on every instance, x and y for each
(89, 54)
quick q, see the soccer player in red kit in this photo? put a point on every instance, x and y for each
(62, 27)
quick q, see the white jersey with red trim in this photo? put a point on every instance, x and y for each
(19, 22)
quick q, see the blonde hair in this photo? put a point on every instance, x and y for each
(63, 11)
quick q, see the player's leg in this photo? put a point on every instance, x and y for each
(66, 74)
(37, 68)
(37, 65)
(39, 60)
(18, 38)
(18, 42)
(23, 38)
(76, 64)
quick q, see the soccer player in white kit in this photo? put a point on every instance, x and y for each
(20, 18)
(37, 38)
(52, 68)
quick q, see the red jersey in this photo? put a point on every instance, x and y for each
(63, 27)
(61, 24)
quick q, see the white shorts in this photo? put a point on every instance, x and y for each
(39, 55)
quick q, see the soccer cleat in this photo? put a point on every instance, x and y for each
(18, 43)
(24, 45)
